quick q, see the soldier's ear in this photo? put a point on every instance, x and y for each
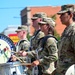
(40, 19)
(23, 32)
(71, 15)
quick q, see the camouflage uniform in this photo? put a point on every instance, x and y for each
(66, 46)
(34, 46)
(66, 49)
(48, 55)
(22, 45)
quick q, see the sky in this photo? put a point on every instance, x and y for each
(10, 9)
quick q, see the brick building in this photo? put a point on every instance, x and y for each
(27, 13)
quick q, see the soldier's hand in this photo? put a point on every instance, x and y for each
(23, 53)
(35, 63)
(13, 58)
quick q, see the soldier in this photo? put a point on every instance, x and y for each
(48, 54)
(36, 36)
(66, 45)
(23, 43)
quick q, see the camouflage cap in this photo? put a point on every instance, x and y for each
(47, 20)
(39, 15)
(66, 8)
(23, 27)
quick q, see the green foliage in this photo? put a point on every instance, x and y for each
(28, 36)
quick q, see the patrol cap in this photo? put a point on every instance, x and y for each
(66, 8)
(47, 20)
(39, 15)
(23, 27)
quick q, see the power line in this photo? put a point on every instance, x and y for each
(12, 7)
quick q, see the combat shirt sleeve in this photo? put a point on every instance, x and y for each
(50, 52)
(31, 54)
(40, 35)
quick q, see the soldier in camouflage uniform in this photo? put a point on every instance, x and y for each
(37, 35)
(23, 43)
(66, 45)
(48, 54)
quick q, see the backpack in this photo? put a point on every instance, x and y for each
(45, 39)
